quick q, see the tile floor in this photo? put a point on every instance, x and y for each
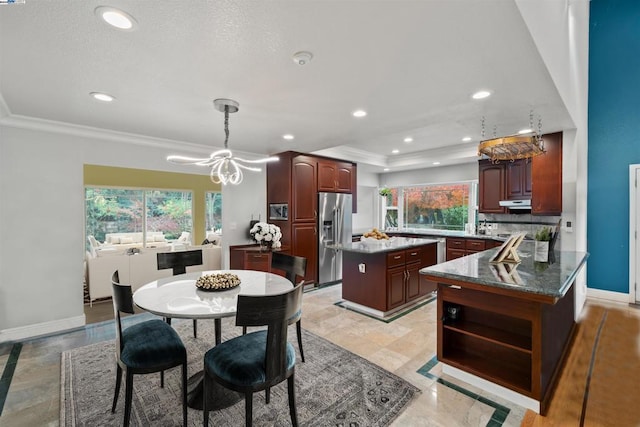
(405, 346)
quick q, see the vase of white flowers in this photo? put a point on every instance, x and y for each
(267, 235)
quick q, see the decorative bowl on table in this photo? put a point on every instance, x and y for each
(217, 282)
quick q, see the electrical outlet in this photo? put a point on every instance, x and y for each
(568, 227)
(362, 268)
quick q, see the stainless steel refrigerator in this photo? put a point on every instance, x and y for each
(334, 228)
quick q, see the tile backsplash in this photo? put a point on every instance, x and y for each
(512, 223)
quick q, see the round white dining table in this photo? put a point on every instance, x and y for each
(178, 297)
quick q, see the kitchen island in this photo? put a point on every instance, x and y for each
(382, 277)
(506, 328)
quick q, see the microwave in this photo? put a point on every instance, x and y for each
(279, 211)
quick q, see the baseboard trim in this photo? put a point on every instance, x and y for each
(45, 328)
(608, 295)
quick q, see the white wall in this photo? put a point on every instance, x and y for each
(560, 30)
(42, 221)
(433, 175)
(368, 215)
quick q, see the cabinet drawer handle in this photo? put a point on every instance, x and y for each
(397, 257)
(414, 253)
(454, 287)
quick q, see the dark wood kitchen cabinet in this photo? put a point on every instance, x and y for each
(547, 177)
(538, 179)
(249, 257)
(295, 180)
(518, 179)
(458, 247)
(304, 195)
(491, 186)
(304, 238)
(389, 279)
(336, 177)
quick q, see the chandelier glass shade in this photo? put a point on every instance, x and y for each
(225, 167)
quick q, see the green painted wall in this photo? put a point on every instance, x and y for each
(108, 176)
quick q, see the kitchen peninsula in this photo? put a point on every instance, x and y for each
(382, 277)
(507, 327)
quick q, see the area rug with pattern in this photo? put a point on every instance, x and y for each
(334, 387)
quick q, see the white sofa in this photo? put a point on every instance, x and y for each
(154, 239)
(139, 269)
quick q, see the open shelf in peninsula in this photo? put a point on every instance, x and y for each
(506, 336)
(381, 278)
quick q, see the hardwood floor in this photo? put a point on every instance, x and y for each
(599, 381)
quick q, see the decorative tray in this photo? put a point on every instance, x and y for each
(217, 282)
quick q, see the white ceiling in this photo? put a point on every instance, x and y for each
(412, 65)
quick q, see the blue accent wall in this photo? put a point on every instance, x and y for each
(614, 138)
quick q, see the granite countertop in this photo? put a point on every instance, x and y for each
(551, 279)
(438, 233)
(380, 246)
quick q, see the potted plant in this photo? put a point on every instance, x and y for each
(384, 192)
(541, 248)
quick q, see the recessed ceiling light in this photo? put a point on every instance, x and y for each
(436, 163)
(386, 169)
(104, 97)
(523, 131)
(481, 94)
(359, 113)
(396, 151)
(408, 139)
(288, 137)
(116, 18)
(466, 139)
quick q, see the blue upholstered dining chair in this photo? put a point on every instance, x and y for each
(144, 348)
(293, 266)
(178, 262)
(258, 360)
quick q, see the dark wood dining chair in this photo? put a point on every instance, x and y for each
(144, 348)
(258, 360)
(178, 262)
(294, 267)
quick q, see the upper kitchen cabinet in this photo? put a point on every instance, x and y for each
(518, 179)
(547, 177)
(334, 176)
(538, 179)
(304, 184)
(491, 187)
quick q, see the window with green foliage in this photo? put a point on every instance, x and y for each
(435, 206)
(213, 211)
(118, 210)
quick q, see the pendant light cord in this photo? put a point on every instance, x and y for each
(226, 126)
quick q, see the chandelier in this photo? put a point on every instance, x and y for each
(225, 167)
(513, 147)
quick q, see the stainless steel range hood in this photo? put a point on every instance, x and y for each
(516, 204)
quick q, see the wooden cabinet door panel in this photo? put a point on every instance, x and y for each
(413, 281)
(395, 287)
(547, 178)
(491, 188)
(326, 176)
(518, 179)
(304, 238)
(257, 261)
(344, 178)
(305, 198)
(455, 253)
